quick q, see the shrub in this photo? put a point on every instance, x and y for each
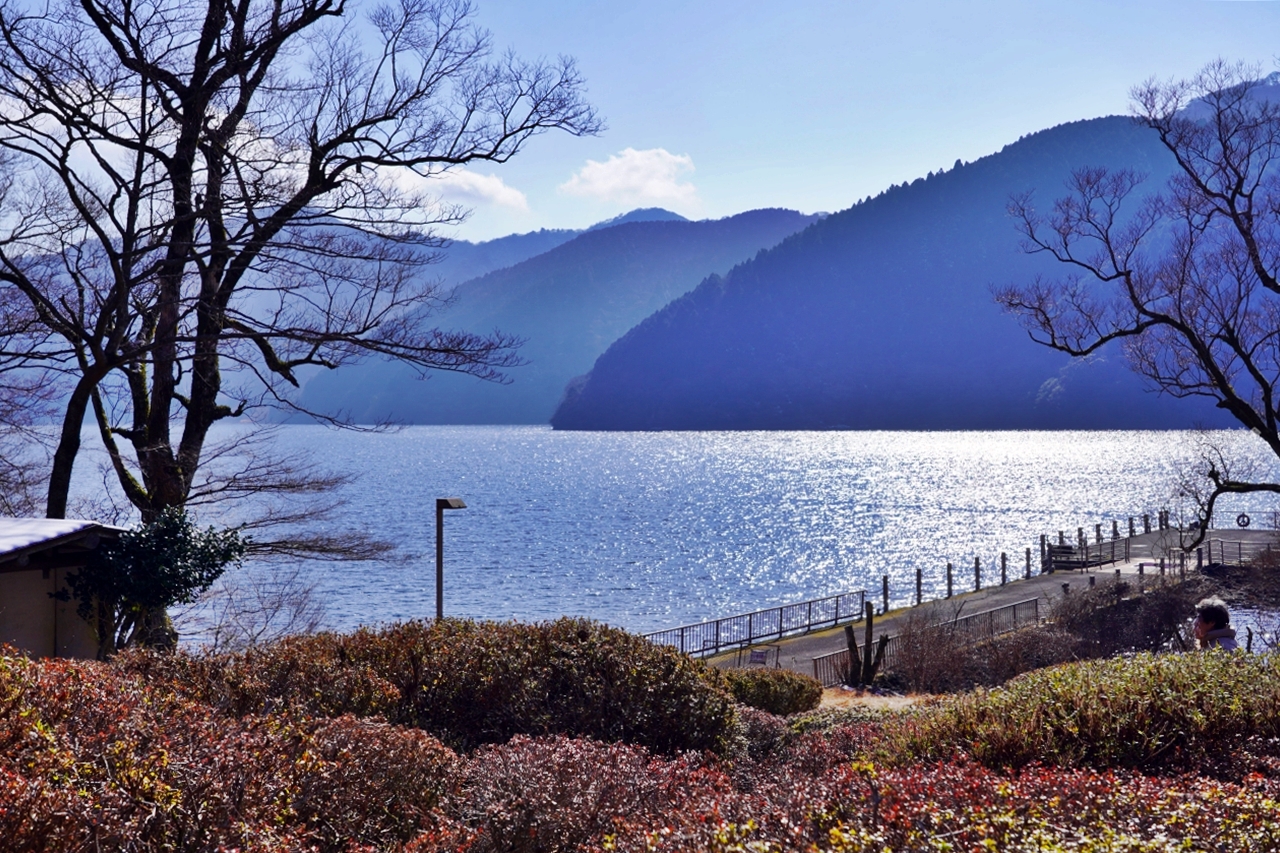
(777, 691)
(1147, 712)
(934, 656)
(472, 683)
(1107, 626)
(307, 675)
(93, 759)
(760, 733)
(961, 805)
(1007, 656)
(550, 794)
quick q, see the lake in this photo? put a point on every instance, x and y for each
(654, 530)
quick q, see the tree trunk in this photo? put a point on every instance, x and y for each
(855, 659)
(64, 458)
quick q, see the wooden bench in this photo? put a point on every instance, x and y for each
(1066, 557)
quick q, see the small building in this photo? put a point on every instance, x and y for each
(35, 556)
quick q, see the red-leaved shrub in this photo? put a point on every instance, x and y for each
(558, 794)
(93, 759)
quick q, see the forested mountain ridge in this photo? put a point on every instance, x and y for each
(568, 303)
(881, 317)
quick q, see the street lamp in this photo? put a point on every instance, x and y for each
(441, 505)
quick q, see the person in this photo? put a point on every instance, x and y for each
(1213, 626)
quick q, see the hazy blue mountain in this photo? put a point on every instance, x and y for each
(463, 260)
(641, 214)
(881, 316)
(568, 303)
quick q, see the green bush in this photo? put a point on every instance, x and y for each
(1147, 712)
(473, 683)
(778, 691)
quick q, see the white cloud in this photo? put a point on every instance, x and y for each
(637, 177)
(472, 188)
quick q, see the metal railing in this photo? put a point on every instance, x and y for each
(708, 638)
(831, 669)
(1236, 551)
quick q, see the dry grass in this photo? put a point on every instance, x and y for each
(837, 697)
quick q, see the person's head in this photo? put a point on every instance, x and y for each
(1211, 615)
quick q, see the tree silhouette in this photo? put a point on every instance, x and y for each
(197, 200)
(1185, 280)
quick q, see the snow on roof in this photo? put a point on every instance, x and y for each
(19, 533)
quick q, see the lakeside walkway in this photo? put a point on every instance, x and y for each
(797, 652)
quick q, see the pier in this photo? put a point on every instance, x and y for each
(808, 637)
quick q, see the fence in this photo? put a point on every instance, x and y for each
(831, 669)
(1237, 551)
(708, 638)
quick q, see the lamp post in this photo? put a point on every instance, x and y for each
(441, 505)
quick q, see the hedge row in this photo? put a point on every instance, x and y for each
(98, 757)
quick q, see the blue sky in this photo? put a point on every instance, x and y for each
(718, 107)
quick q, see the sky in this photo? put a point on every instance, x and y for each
(716, 107)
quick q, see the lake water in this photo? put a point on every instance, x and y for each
(654, 530)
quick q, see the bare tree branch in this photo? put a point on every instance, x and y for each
(1186, 280)
(198, 200)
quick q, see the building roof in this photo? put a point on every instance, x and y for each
(38, 542)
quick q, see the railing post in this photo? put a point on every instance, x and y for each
(1097, 533)
(884, 606)
(1132, 530)
(1146, 523)
(1028, 564)
(948, 580)
(977, 573)
(919, 586)
(1115, 529)
(1004, 568)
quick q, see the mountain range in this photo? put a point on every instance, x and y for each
(569, 297)
(882, 317)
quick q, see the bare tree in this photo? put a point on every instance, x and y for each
(245, 610)
(1184, 280)
(200, 199)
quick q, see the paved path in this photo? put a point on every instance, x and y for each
(797, 653)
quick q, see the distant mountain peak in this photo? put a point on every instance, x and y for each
(641, 214)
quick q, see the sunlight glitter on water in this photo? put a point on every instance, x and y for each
(652, 530)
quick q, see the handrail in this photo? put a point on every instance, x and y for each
(709, 638)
